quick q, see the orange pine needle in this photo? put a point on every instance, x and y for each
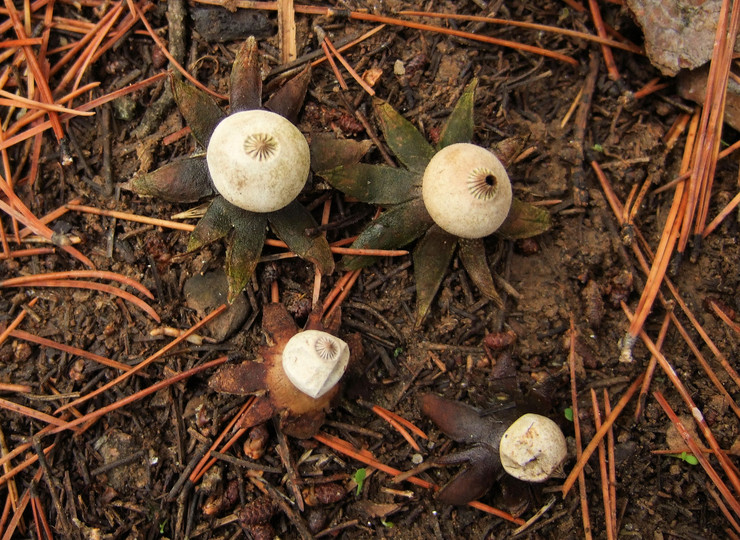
(12, 100)
(383, 413)
(20, 334)
(100, 274)
(611, 66)
(135, 10)
(144, 363)
(349, 68)
(608, 422)
(31, 413)
(467, 35)
(602, 40)
(95, 286)
(695, 411)
(410, 425)
(725, 318)
(726, 211)
(696, 450)
(18, 320)
(205, 461)
(577, 430)
(367, 458)
(605, 494)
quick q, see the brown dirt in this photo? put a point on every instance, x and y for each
(578, 271)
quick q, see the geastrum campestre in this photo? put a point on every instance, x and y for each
(454, 195)
(295, 376)
(256, 161)
(530, 447)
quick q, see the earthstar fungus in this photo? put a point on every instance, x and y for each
(529, 447)
(430, 197)
(295, 376)
(256, 162)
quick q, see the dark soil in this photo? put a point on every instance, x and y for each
(577, 272)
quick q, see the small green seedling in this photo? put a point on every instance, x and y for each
(568, 413)
(397, 352)
(359, 478)
(387, 524)
(597, 148)
(688, 458)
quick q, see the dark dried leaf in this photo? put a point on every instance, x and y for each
(456, 419)
(184, 180)
(459, 126)
(288, 100)
(290, 224)
(202, 114)
(394, 229)
(406, 142)
(243, 379)
(432, 257)
(375, 184)
(215, 224)
(246, 78)
(278, 325)
(524, 220)
(328, 152)
(243, 250)
(474, 481)
(473, 257)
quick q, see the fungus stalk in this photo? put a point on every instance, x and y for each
(466, 190)
(258, 160)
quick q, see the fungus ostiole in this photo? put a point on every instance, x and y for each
(466, 190)
(529, 447)
(258, 160)
(314, 361)
(533, 448)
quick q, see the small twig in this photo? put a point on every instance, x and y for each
(284, 453)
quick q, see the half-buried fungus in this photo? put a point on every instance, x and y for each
(529, 447)
(295, 376)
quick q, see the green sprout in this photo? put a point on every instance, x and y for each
(568, 413)
(359, 478)
(688, 458)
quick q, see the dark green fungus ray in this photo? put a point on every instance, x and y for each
(459, 126)
(215, 224)
(406, 142)
(202, 114)
(246, 79)
(432, 257)
(524, 221)
(288, 100)
(243, 250)
(185, 180)
(394, 229)
(328, 153)
(292, 224)
(473, 256)
(375, 184)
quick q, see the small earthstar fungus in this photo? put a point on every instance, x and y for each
(529, 447)
(452, 196)
(256, 161)
(295, 376)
